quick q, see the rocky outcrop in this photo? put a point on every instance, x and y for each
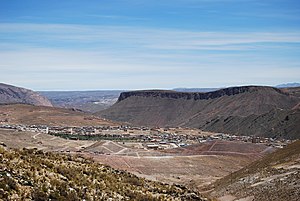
(10, 94)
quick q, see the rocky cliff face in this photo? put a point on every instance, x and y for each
(194, 95)
(204, 110)
(10, 94)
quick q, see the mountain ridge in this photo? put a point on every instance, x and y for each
(51, 116)
(10, 94)
(288, 85)
(195, 95)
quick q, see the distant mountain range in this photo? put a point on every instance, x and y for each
(287, 85)
(89, 101)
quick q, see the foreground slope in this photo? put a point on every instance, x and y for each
(36, 175)
(10, 94)
(169, 108)
(40, 115)
(274, 177)
(193, 166)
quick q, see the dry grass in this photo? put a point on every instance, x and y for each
(39, 115)
(274, 177)
(35, 175)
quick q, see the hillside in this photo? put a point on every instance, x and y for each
(192, 166)
(10, 94)
(41, 115)
(224, 148)
(295, 91)
(274, 124)
(35, 175)
(200, 110)
(274, 177)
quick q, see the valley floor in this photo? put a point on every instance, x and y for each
(195, 167)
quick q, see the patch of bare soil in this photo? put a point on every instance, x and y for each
(40, 115)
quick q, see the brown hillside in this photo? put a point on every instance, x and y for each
(275, 124)
(35, 175)
(295, 91)
(274, 177)
(223, 148)
(10, 94)
(168, 108)
(41, 115)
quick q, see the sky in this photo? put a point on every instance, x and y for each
(147, 44)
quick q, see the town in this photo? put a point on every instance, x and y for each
(151, 138)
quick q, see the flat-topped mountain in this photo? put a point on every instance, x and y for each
(11, 94)
(170, 108)
(198, 95)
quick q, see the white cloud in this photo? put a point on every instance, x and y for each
(45, 56)
(144, 37)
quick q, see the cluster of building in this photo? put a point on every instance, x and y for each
(154, 138)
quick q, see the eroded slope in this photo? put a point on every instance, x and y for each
(35, 175)
(10, 94)
(274, 177)
(210, 110)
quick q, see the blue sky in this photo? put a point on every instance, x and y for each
(138, 44)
